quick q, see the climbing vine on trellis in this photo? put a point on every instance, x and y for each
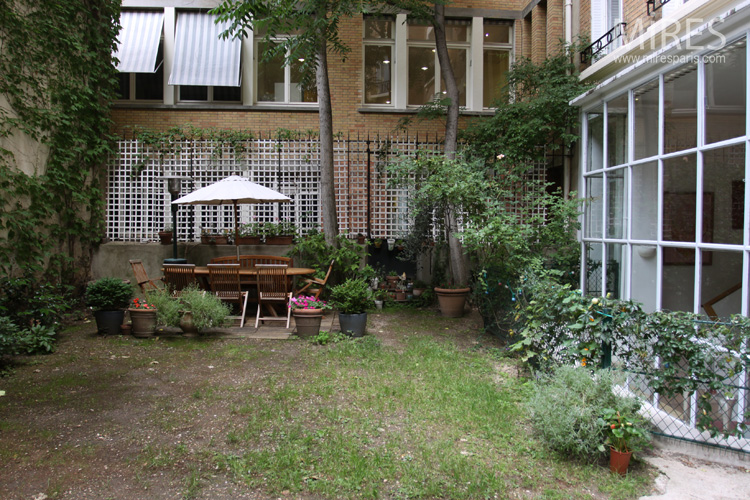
(58, 79)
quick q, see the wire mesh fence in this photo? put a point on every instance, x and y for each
(139, 206)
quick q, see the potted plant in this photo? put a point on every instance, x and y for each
(452, 299)
(623, 435)
(392, 280)
(165, 236)
(280, 233)
(380, 296)
(213, 237)
(307, 312)
(108, 297)
(377, 243)
(201, 310)
(167, 306)
(250, 234)
(352, 298)
(419, 288)
(142, 318)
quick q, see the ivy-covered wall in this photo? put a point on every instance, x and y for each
(57, 81)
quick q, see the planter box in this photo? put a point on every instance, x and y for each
(214, 240)
(249, 240)
(279, 240)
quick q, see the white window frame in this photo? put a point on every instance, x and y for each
(381, 42)
(287, 81)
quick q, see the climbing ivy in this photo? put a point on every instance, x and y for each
(57, 80)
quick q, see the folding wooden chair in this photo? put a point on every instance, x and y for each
(272, 289)
(141, 277)
(225, 284)
(315, 285)
(179, 276)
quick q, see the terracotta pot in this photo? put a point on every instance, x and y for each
(400, 295)
(619, 461)
(143, 322)
(452, 301)
(249, 240)
(279, 240)
(307, 321)
(392, 281)
(417, 292)
(187, 326)
(165, 237)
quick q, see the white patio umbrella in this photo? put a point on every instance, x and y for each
(232, 190)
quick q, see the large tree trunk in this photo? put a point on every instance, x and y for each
(459, 271)
(325, 120)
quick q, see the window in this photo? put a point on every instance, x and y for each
(606, 15)
(379, 44)
(277, 83)
(209, 94)
(424, 70)
(496, 53)
(140, 52)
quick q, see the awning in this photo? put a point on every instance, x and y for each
(139, 39)
(200, 56)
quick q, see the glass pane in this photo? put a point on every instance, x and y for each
(615, 277)
(421, 75)
(496, 64)
(193, 93)
(377, 74)
(227, 94)
(724, 186)
(496, 33)
(645, 196)
(457, 30)
(270, 77)
(595, 142)
(617, 131)
(677, 287)
(123, 85)
(298, 93)
(721, 283)
(594, 269)
(679, 199)
(617, 196)
(594, 204)
(725, 93)
(150, 86)
(680, 101)
(646, 116)
(458, 62)
(643, 276)
(420, 32)
(378, 28)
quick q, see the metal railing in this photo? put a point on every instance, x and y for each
(603, 42)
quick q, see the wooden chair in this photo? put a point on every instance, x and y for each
(225, 284)
(314, 286)
(179, 276)
(141, 277)
(272, 289)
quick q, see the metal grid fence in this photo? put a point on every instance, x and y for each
(138, 204)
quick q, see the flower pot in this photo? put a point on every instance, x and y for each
(400, 295)
(392, 281)
(215, 240)
(417, 292)
(248, 240)
(109, 322)
(143, 322)
(353, 325)
(619, 461)
(165, 237)
(279, 240)
(452, 301)
(307, 321)
(379, 305)
(187, 326)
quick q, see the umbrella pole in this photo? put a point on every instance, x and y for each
(236, 232)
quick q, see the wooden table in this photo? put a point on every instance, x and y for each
(202, 271)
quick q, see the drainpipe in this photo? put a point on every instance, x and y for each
(568, 19)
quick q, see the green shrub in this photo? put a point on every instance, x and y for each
(108, 294)
(39, 339)
(565, 407)
(208, 310)
(353, 296)
(312, 251)
(325, 337)
(8, 336)
(167, 307)
(25, 300)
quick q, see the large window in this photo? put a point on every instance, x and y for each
(279, 83)
(664, 174)
(496, 61)
(378, 65)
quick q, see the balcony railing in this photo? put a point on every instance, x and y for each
(603, 42)
(654, 5)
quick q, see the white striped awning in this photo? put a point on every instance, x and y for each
(200, 56)
(138, 42)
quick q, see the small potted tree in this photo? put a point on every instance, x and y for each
(624, 435)
(108, 297)
(352, 298)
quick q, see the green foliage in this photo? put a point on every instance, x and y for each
(167, 307)
(325, 337)
(58, 79)
(108, 294)
(37, 339)
(353, 296)
(8, 336)
(26, 300)
(208, 310)
(312, 251)
(623, 432)
(565, 407)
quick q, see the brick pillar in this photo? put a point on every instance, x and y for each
(555, 26)
(539, 34)
(525, 41)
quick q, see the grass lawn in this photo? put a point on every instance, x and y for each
(422, 407)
